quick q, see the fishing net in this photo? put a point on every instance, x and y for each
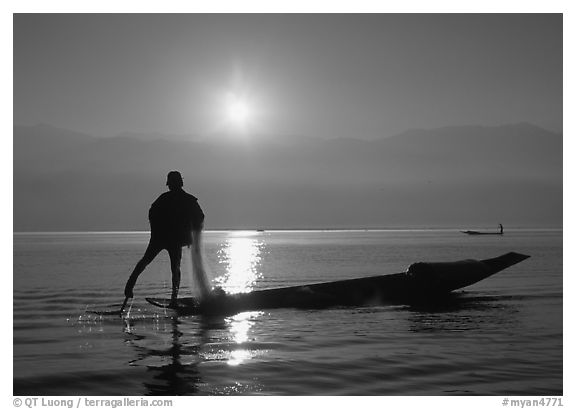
(199, 271)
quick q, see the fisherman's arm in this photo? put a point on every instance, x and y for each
(154, 214)
(197, 216)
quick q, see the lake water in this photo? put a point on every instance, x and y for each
(502, 336)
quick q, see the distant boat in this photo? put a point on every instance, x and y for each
(474, 232)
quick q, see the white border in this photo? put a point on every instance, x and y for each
(301, 6)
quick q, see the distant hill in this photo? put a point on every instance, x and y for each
(455, 176)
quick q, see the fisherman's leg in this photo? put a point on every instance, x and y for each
(151, 252)
(175, 253)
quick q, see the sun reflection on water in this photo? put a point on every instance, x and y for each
(240, 325)
(241, 254)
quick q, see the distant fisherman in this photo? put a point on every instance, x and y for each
(173, 217)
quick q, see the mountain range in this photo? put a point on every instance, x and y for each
(461, 177)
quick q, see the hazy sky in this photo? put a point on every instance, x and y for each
(346, 75)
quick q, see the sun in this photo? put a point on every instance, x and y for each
(239, 112)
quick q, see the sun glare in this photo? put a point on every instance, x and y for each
(238, 111)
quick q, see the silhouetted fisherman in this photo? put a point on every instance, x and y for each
(173, 217)
(501, 228)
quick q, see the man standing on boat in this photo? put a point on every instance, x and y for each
(173, 217)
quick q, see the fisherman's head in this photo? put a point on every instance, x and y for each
(174, 180)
